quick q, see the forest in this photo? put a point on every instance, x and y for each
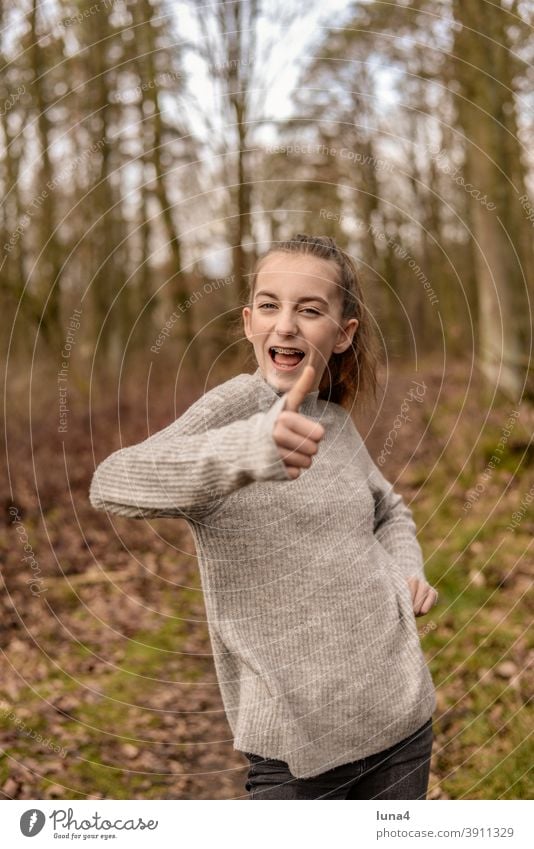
(150, 152)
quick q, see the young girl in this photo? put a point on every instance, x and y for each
(310, 565)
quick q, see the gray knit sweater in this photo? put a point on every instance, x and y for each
(314, 638)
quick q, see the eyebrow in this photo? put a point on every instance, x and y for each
(300, 300)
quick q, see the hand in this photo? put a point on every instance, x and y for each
(295, 435)
(424, 597)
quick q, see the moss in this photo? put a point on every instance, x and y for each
(111, 781)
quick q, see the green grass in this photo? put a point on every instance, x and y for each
(106, 723)
(482, 747)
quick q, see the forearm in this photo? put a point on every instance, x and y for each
(188, 474)
(396, 531)
(393, 523)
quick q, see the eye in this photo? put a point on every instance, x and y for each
(306, 309)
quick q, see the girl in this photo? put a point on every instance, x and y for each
(310, 565)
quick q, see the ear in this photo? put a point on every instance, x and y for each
(345, 336)
(247, 315)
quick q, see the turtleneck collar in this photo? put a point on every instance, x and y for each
(309, 405)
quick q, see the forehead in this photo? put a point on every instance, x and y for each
(298, 275)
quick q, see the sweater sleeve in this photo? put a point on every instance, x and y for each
(177, 472)
(394, 526)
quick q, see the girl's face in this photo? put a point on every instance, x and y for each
(297, 305)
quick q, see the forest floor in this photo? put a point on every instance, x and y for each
(108, 689)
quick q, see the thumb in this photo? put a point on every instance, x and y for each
(296, 395)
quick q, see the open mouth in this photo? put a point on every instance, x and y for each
(286, 357)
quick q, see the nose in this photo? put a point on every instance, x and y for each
(286, 321)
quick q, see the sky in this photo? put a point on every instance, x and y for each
(284, 60)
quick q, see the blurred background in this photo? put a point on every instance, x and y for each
(150, 152)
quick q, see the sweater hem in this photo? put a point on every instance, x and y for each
(324, 762)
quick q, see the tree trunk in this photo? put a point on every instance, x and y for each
(482, 106)
(179, 291)
(48, 269)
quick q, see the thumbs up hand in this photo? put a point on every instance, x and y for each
(295, 435)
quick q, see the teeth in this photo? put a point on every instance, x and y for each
(287, 350)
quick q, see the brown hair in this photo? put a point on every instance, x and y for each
(352, 373)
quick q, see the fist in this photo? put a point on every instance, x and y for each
(295, 435)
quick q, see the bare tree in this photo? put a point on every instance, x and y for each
(235, 44)
(484, 69)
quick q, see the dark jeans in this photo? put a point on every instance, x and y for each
(400, 772)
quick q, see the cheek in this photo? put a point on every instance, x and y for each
(324, 337)
(258, 324)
